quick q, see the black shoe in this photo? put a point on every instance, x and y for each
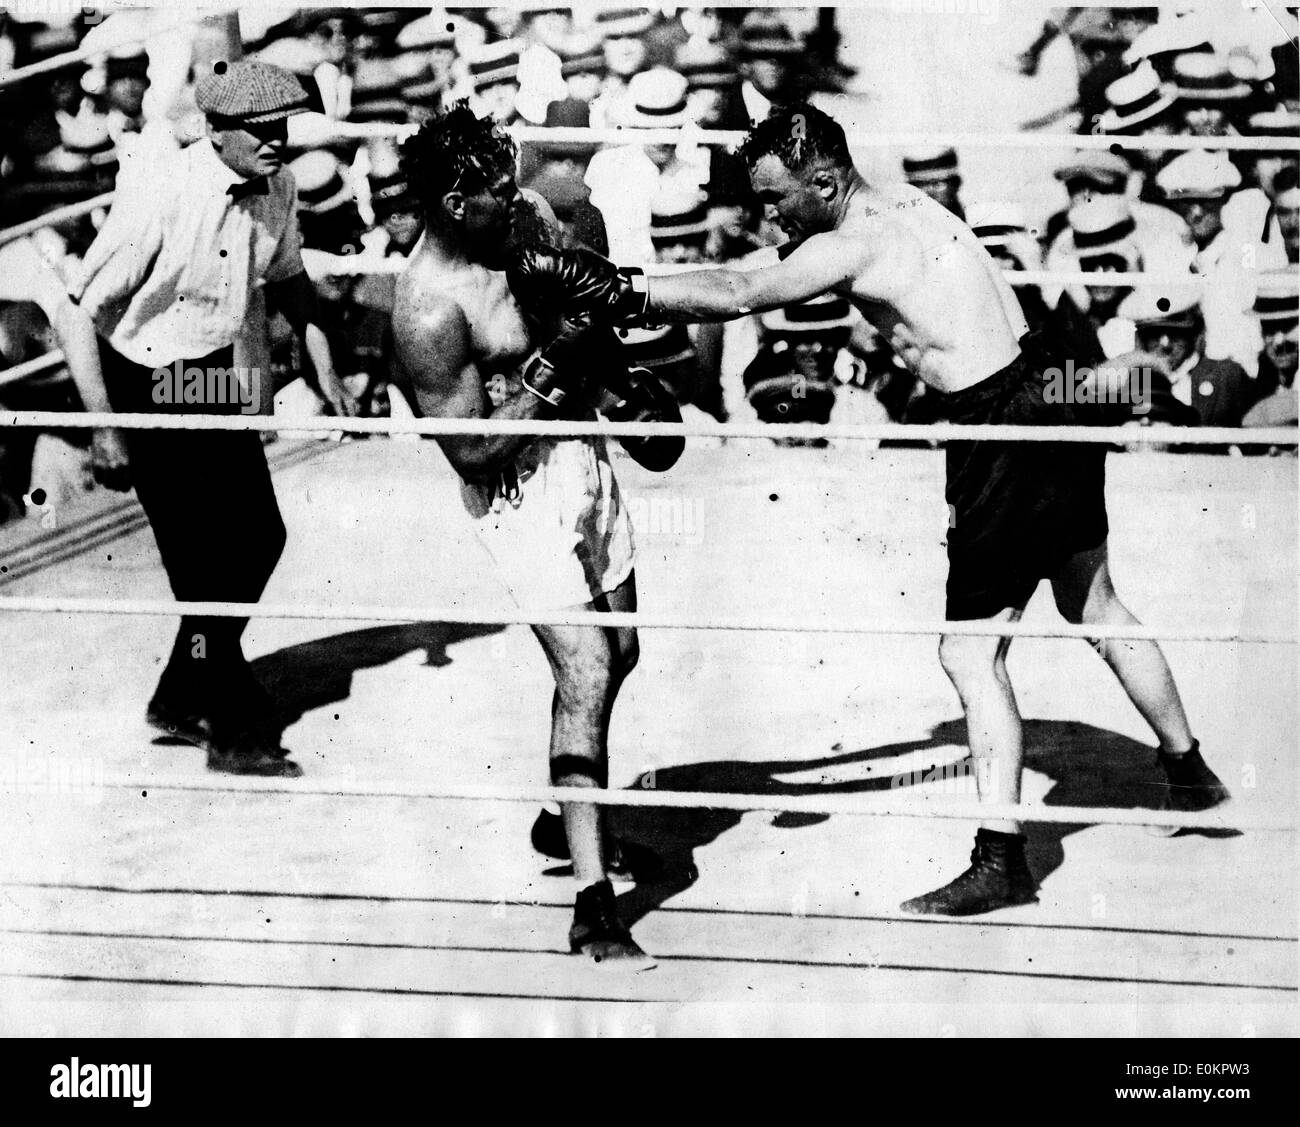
(260, 759)
(598, 933)
(1191, 787)
(191, 727)
(625, 861)
(998, 877)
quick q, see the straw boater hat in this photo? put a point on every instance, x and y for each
(428, 33)
(927, 166)
(1004, 226)
(623, 23)
(377, 91)
(418, 81)
(764, 35)
(679, 217)
(1198, 175)
(1277, 303)
(1097, 167)
(300, 56)
(825, 315)
(321, 187)
(495, 63)
(580, 53)
(390, 192)
(705, 65)
(1206, 80)
(1103, 226)
(1179, 309)
(1162, 42)
(1282, 122)
(1135, 100)
(655, 99)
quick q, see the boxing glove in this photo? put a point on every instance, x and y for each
(561, 369)
(641, 398)
(575, 283)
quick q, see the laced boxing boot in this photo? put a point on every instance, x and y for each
(1192, 786)
(598, 933)
(625, 862)
(998, 877)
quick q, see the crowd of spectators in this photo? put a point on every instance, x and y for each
(1221, 350)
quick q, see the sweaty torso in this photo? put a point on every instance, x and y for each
(498, 338)
(932, 291)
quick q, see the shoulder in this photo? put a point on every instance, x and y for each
(424, 314)
(1225, 373)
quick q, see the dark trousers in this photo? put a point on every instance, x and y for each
(209, 499)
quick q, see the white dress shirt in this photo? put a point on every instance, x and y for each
(176, 264)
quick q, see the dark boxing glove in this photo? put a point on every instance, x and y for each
(561, 369)
(643, 399)
(576, 283)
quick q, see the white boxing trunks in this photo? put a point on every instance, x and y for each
(560, 537)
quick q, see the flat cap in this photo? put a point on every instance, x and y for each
(251, 92)
(1198, 175)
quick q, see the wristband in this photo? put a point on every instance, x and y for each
(555, 396)
(638, 284)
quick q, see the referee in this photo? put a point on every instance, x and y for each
(168, 282)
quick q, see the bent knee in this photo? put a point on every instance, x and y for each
(968, 658)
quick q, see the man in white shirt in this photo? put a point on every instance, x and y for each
(168, 283)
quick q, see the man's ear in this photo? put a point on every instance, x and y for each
(453, 203)
(826, 184)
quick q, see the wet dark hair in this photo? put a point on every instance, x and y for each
(799, 136)
(454, 149)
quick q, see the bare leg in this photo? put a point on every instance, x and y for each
(978, 671)
(1084, 594)
(998, 876)
(590, 665)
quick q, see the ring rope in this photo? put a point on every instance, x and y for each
(554, 428)
(608, 620)
(94, 51)
(28, 368)
(828, 804)
(57, 215)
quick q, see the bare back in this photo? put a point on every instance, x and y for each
(930, 288)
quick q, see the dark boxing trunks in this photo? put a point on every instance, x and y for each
(1018, 510)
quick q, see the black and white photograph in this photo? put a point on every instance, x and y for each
(590, 521)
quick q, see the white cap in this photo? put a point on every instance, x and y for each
(1199, 174)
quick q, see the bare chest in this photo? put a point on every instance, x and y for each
(499, 337)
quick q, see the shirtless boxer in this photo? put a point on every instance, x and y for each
(547, 510)
(1022, 511)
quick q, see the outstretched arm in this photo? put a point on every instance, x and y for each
(819, 264)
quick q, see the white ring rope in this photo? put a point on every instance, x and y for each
(828, 804)
(97, 49)
(322, 264)
(909, 432)
(57, 215)
(29, 368)
(58, 604)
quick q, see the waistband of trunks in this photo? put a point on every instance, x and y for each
(1035, 356)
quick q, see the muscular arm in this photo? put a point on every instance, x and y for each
(432, 345)
(819, 264)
